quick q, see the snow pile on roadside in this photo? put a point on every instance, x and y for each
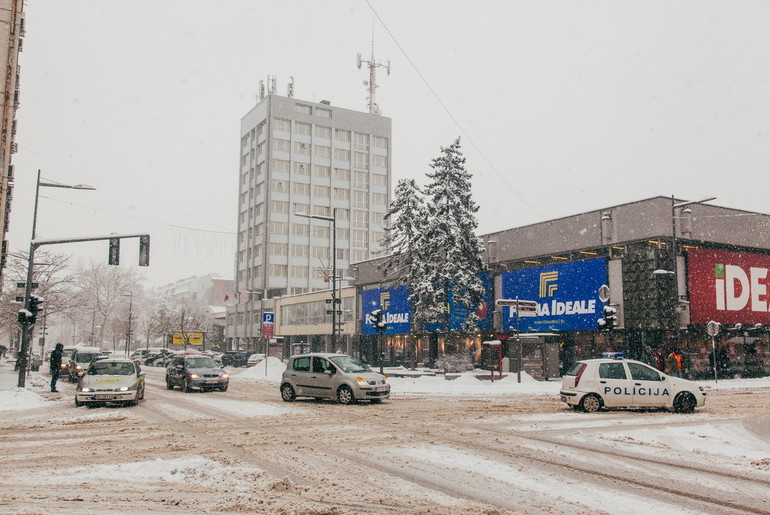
(468, 384)
(19, 399)
(262, 372)
(195, 470)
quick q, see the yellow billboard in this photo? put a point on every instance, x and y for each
(192, 338)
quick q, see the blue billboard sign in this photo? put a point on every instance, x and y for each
(567, 295)
(396, 309)
(458, 312)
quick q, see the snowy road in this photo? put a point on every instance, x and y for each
(245, 450)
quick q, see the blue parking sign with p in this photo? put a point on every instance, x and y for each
(268, 317)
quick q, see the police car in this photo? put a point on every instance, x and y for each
(615, 382)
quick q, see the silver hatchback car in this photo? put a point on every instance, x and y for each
(332, 376)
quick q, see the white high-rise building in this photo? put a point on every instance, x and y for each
(309, 158)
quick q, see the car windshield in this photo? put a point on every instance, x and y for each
(348, 364)
(85, 357)
(111, 368)
(200, 362)
(67, 353)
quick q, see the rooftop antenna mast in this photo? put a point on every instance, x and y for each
(372, 82)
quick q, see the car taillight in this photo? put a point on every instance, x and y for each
(580, 374)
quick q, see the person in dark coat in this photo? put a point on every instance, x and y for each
(56, 365)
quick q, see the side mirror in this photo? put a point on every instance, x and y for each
(662, 377)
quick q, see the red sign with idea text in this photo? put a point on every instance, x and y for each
(728, 287)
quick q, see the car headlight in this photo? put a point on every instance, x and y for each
(122, 389)
(224, 376)
(86, 390)
(78, 367)
(361, 381)
(193, 376)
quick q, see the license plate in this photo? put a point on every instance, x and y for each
(103, 397)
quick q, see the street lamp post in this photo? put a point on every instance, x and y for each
(675, 254)
(26, 325)
(333, 220)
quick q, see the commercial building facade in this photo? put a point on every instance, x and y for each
(12, 31)
(669, 267)
(304, 158)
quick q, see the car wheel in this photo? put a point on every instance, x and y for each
(287, 393)
(684, 402)
(140, 396)
(78, 403)
(345, 395)
(591, 403)
(186, 385)
(223, 388)
(158, 364)
(376, 401)
(169, 384)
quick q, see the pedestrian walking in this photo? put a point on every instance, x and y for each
(675, 363)
(56, 365)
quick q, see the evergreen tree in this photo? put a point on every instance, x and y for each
(407, 216)
(449, 249)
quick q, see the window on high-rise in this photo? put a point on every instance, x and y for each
(321, 252)
(279, 271)
(378, 219)
(300, 250)
(280, 207)
(379, 199)
(322, 131)
(299, 271)
(302, 128)
(360, 238)
(279, 186)
(321, 191)
(279, 249)
(323, 113)
(281, 124)
(361, 160)
(301, 168)
(380, 142)
(381, 161)
(361, 142)
(322, 211)
(301, 188)
(281, 145)
(301, 207)
(303, 109)
(341, 174)
(321, 171)
(379, 179)
(300, 229)
(343, 234)
(341, 194)
(323, 152)
(359, 255)
(361, 199)
(302, 148)
(341, 135)
(321, 231)
(280, 165)
(361, 180)
(279, 228)
(341, 154)
(360, 219)
(342, 214)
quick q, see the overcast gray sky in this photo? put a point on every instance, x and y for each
(562, 106)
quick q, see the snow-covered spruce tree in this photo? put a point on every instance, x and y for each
(450, 252)
(407, 216)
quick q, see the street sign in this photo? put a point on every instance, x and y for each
(712, 328)
(525, 308)
(268, 317)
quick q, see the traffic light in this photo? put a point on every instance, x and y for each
(378, 320)
(610, 319)
(114, 257)
(144, 251)
(33, 307)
